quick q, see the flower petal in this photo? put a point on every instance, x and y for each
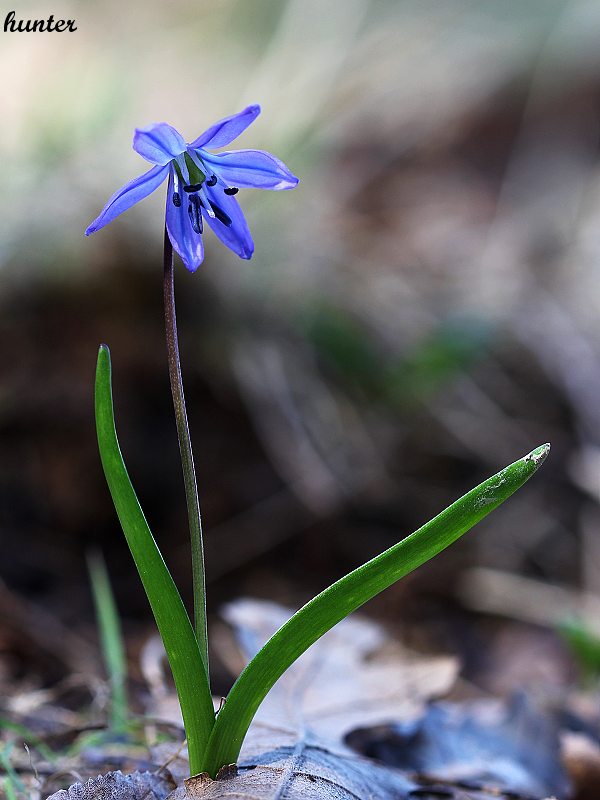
(236, 236)
(159, 143)
(226, 130)
(186, 242)
(253, 168)
(128, 196)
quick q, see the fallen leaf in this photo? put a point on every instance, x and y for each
(510, 746)
(116, 786)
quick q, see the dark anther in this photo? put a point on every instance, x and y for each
(231, 190)
(176, 199)
(195, 214)
(192, 187)
(220, 214)
(212, 180)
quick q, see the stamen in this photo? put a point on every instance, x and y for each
(231, 190)
(203, 197)
(195, 214)
(194, 187)
(220, 214)
(212, 181)
(176, 196)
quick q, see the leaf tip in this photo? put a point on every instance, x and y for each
(538, 456)
(103, 357)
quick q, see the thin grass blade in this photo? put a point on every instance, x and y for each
(167, 606)
(12, 782)
(111, 639)
(11, 792)
(346, 595)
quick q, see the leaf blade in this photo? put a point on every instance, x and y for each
(346, 595)
(167, 606)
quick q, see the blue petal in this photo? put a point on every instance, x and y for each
(186, 242)
(252, 168)
(228, 129)
(128, 196)
(159, 143)
(236, 236)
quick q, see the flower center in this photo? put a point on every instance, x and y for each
(198, 198)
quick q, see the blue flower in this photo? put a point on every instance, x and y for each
(202, 184)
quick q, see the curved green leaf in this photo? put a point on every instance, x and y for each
(346, 595)
(167, 606)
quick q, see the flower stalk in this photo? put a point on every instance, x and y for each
(187, 456)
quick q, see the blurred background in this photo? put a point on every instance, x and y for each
(420, 312)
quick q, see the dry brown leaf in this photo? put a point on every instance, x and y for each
(116, 786)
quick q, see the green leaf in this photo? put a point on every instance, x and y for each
(346, 595)
(584, 644)
(111, 639)
(167, 606)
